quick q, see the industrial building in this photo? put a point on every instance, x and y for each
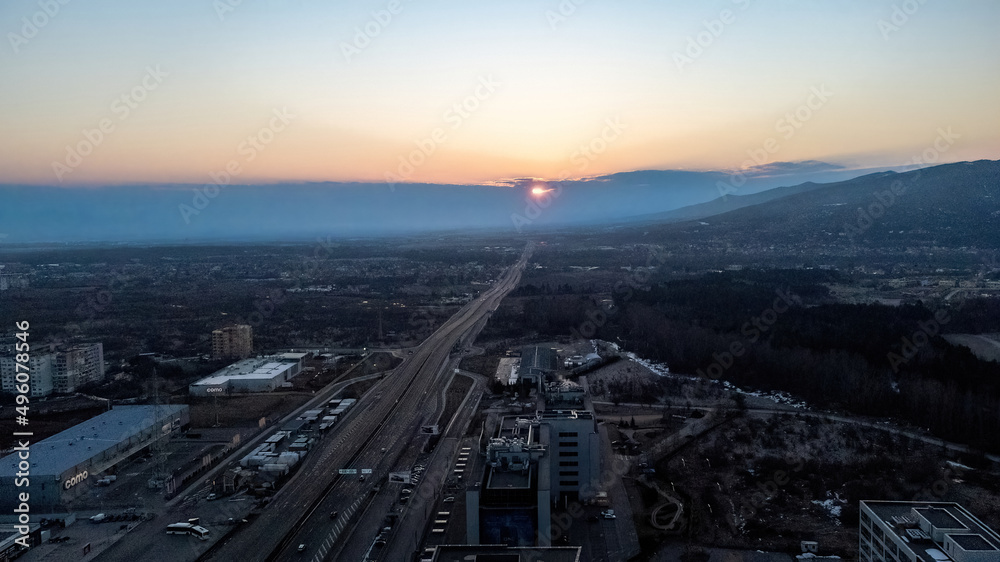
(533, 464)
(64, 466)
(62, 371)
(924, 532)
(261, 374)
(232, 342)
(536, 362)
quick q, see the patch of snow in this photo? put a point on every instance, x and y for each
(833, 505)
(660, 369)
(776, 396)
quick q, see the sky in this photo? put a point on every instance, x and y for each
(256, 91)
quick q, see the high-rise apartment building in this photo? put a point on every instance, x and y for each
(77, 366)
(232, 342)
(38, 375)
(62, 371)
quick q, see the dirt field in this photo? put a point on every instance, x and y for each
(47, 425)
(244, 411)
(627, 381)
(485, 365)
(770, 482)
(983, 346)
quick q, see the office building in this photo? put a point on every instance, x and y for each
(894, 531)
(533, 465)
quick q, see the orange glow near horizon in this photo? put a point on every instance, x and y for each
(495, 91)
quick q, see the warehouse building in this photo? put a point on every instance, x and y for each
(64, 466)
(261, 374)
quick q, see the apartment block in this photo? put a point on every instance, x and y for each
(39, 375)
(232, 342)
(77, 366)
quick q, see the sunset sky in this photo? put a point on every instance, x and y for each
(626, 79)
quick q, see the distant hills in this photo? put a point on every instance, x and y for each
(776, 201)
(951, 205)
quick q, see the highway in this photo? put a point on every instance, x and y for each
(383, 436)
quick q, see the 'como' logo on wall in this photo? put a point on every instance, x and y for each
(69, 483)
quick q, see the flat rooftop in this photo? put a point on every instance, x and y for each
(973, 542)
(265, 369)
(504, 553)
(85, 440)
(508, 480)
(954, 520)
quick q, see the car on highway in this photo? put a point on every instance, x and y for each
(212, 497)
(449, 499)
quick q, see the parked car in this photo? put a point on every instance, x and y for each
(449, 499)
(609, 514)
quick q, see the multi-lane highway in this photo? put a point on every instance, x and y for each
(380, 437)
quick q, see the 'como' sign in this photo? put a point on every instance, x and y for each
(69, 483)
